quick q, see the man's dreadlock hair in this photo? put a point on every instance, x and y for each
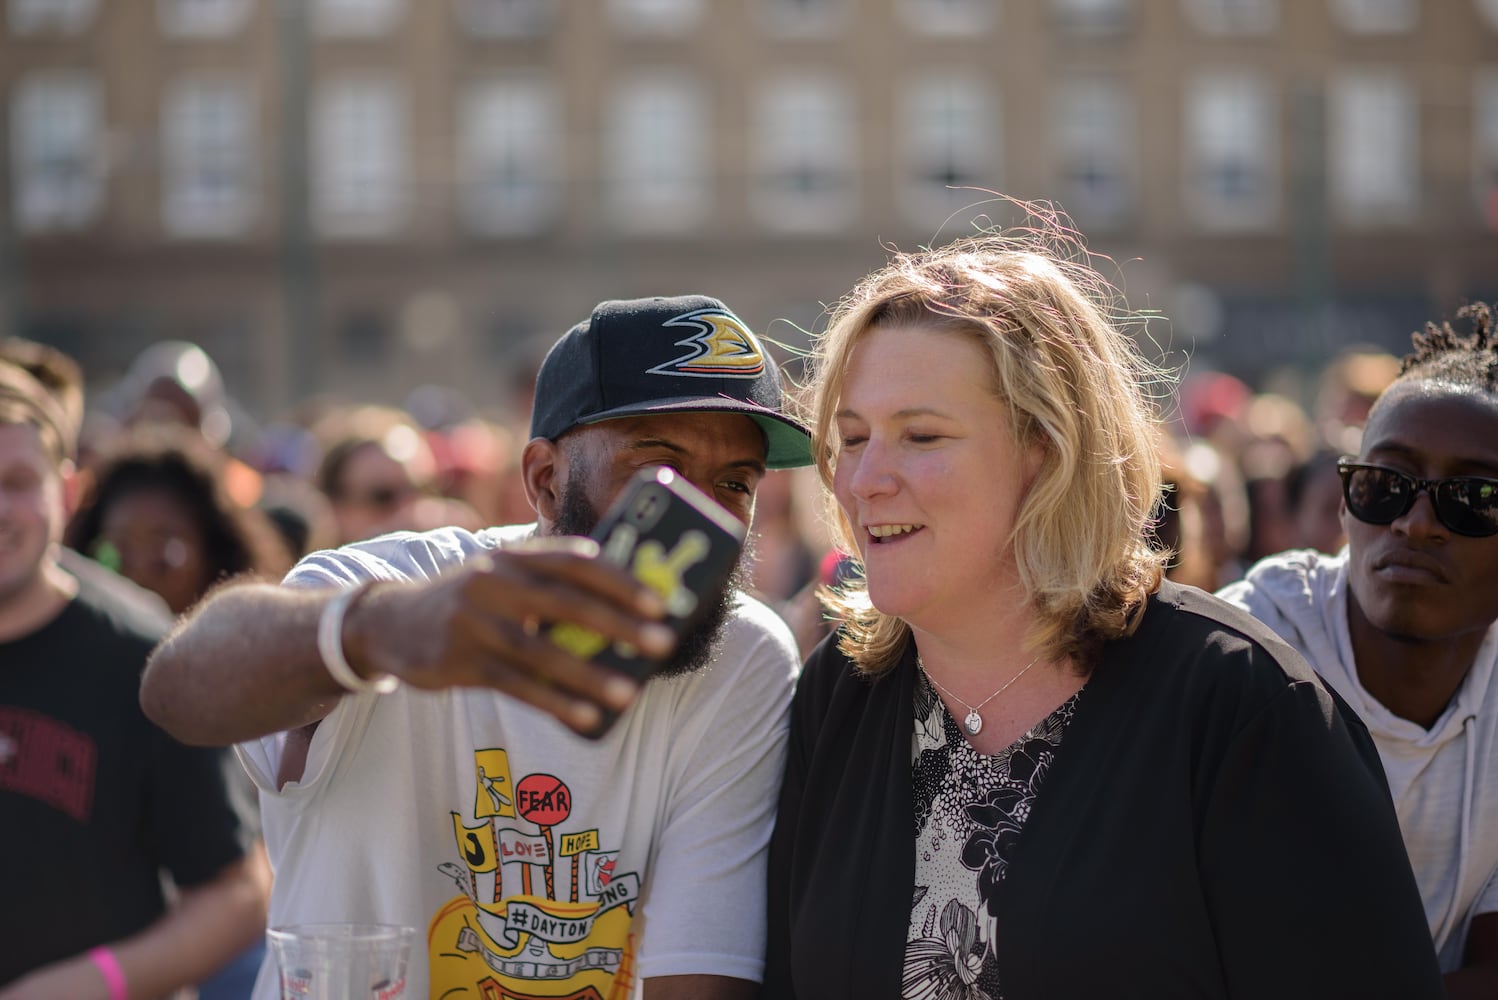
(1466, 359)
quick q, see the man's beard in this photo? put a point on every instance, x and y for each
(577, 516)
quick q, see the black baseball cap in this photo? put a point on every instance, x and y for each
(687, 354)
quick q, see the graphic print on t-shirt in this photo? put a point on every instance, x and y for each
(542, 909)
(47, 760)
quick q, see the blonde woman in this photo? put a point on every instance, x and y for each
(1027, 766)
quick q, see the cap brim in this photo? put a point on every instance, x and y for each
(787, 441)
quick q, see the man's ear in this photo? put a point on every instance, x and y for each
(542, 468)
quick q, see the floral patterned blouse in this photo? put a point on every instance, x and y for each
(969, 809)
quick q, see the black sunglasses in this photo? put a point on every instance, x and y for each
(1468, 505)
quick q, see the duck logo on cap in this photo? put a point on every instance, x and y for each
(722, 347)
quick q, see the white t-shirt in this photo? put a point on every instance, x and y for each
(532, 861)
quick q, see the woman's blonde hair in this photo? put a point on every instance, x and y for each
(1072, 381)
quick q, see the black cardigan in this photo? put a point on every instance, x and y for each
(1212, 826)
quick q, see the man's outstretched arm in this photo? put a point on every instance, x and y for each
(246, 662)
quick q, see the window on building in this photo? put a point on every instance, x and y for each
(657, 150)
(805, 155)
(949, 133)
(1094, 17)
(1232, 152)
(1485, 144)
(510, 150)
(507, 18)
(1096, 150)
(201, 18)
(655, 17)
(359, 158)
(1374, 161)
(1377, 17)
(56, 159)
(356, 18)
(1233, 17)
(208, 158)
(948, 17)
(802, 18)
(43, 17)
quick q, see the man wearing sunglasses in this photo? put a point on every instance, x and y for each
(1402, 624)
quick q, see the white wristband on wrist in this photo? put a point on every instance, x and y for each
(330, 646)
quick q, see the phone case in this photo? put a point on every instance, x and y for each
(676, 540)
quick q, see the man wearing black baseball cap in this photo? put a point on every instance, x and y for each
(655, 356)
(400, 711)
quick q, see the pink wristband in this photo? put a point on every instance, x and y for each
(109, 968)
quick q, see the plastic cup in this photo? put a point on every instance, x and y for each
(342, 961)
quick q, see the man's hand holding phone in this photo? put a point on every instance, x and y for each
(674, 539)
(571, 625)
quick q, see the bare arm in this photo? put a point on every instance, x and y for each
(699, 988)
(210, 924)
(246, 664)
(243, 665)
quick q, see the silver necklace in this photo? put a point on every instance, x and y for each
(972, 722)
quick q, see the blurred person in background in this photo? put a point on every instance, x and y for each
(176, 383)
(1026, 766)
(158, 513)
(1223, 505)
(104, 812)
(1404, 624)
(287, 455)
(1265, 463)
(1349, 384)
(1313, 497)
(1216, 430)
(467, 450)
(1275, 436)
(1213, 410)
(1180, 523)
(379, 473)
(473, 457)
(789, 553)
(61, 377)
(510, 503)
(300, 513)
(55, 371)
(784, 561)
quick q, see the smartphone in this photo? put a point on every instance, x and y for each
(676, 540)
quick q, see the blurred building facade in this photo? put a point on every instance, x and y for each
(358, 196)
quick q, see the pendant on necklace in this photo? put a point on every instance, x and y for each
(973, 723)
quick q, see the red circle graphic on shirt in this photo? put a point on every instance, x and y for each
(544, 799)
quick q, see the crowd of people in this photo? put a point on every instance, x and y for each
(1112, 686)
